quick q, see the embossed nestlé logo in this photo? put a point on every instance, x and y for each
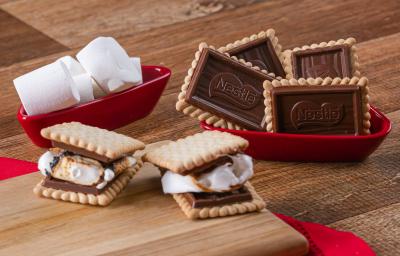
(229, 87)
(321, 70)
(305, 113)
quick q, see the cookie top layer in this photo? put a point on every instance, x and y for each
(93, 140)
(186, 154)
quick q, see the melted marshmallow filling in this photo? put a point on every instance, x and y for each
(88, 173)
(223, 178)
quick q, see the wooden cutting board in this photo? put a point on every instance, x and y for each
(141, 221)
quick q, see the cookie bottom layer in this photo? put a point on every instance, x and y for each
(102, 199)
(256, 205)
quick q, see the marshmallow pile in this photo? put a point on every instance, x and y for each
(100, 68)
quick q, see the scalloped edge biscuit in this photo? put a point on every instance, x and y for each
(362, 82)
(269, 33)
(100, 141)
(355, 65)
(103, 199)
(195, 150)
(202, 115)
(256, 205)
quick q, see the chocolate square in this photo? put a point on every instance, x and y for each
(333, 61)
(261, 53)
(200, 200)
(317, 109)
(228, 89)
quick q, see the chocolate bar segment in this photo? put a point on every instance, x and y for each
(228, 89)
(82, 152)
(317, 109)
(333, 61)
(261, 53)
(200, 200)
(51, 182)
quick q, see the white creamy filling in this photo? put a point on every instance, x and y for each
(223, 178)
(83, 174)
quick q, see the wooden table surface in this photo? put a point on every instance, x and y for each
(360, 197)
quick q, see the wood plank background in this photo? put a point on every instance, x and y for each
(359, 197)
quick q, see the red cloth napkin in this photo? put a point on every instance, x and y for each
(323, 241)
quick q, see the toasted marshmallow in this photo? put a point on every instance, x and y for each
(223, 178)
(109, 64)
(44, 163)
(79, 170)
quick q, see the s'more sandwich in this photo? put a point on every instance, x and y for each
(207, 174)
(86, 165)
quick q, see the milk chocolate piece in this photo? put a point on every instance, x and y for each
(317, 109)
(200, 200)
(333, 61)
(51, 182)
(204, 168)
(261, 53)
(228, 89)
(82, 152)
(209, 166)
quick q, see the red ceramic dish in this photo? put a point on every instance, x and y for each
(109, 112)
(315, 148)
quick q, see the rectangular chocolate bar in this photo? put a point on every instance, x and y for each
(228, 89)
(200, 200)
(50, 182)
(317, 109)
(261, 53)
(333, 61)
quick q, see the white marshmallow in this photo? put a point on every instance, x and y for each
(175, 183)
(108, 175)
(44, 163)
(82, 79)
(138, 65)
(74, 67)
(85, 87)
(46, 89)
(221, 179)
(109, 64)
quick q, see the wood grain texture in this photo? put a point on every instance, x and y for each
(21, 42)
(141, 221)
(350, 195)
(65, 19)
(380, 228)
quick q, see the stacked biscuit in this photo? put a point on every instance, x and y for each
(252, 84)
(207, 173)
(86, 165)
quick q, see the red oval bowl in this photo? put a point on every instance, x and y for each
(109, 112)
(314, 148)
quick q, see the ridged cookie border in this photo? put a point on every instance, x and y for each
(287, 55)
(202, 115)
(269, 33)
(50, 134)
(256, 205)
(204, 154)
(362, 82)
(103, 199)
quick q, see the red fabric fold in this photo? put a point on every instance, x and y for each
(323, 241)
